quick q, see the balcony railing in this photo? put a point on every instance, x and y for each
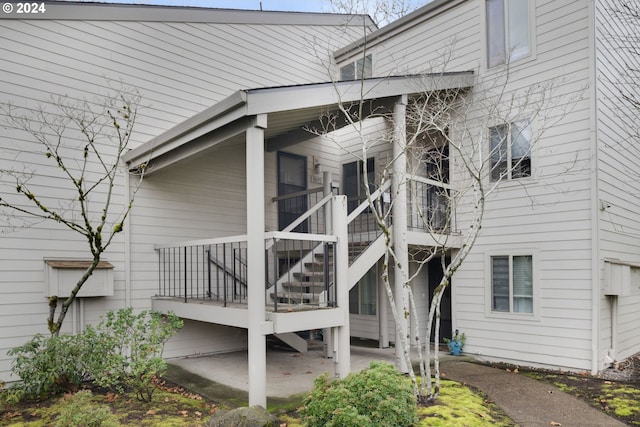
(430, 206)
(299, 267)
(213, 270)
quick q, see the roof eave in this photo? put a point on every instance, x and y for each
(434, 7)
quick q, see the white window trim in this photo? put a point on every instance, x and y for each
(354, 61)
(489, 312)
(533, 156)
(484, 60)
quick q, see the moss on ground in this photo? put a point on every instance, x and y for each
(458, 405)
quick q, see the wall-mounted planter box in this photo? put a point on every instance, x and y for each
(62, 276)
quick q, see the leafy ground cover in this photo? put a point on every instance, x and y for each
(457, 405)
(175, 406)
(170, 406)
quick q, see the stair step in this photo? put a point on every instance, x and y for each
(296, 298)
(310, 276)
(317, 266)
(298, 287)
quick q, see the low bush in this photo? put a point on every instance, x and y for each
(378, 395)
(127, 350)
(47, 365)
(123, 352)
(82, 411)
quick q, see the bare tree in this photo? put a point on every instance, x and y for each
(381, 11)
(83, 141)
(622, 35)
(456, 147)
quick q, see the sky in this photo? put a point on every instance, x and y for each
(286, 5)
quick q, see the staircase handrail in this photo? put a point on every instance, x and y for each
(300, 220)
(365, 205)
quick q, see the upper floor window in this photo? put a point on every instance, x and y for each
(508, 35)
(359, 69)
(512, 284)
(510, 154)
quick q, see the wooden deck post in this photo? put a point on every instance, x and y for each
(399, 211)
(255, 260)
(341, 259)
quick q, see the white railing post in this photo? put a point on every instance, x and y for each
(342, 358)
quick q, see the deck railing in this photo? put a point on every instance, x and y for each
(212, 269)
(430, 205)
(299, 267)
(300, 270)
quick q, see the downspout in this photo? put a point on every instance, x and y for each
(595, 211)
(127, 242)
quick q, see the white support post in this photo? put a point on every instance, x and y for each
(341, 260)
(399, 211)
(255, 259)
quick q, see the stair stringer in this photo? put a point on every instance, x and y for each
(366, 260)
(294, 341)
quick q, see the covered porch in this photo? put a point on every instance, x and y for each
(291, 279)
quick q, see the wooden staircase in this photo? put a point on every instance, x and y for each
(307, 285)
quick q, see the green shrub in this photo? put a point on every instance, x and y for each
(378, 395)
(47, 365)
(82, 411)
(127, 350)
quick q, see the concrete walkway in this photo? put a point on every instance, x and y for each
(528, 402)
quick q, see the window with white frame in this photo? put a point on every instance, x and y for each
(510, 150)
(512, 283)
(359, 69)
(508, 33)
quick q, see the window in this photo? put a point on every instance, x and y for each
(354, 182)
(512, 284)
(362, 297)
(360, 69)
(508, 36)
(510, 146)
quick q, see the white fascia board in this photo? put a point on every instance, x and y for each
(224, 112)
(76, 10)
(235, 109)
(269, 100)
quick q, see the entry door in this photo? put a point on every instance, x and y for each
(292, 178)
(435, 275)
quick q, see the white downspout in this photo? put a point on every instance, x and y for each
(595, 210)
(127, 242)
